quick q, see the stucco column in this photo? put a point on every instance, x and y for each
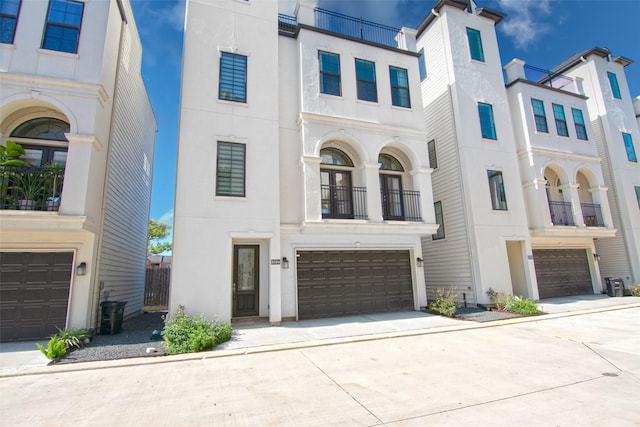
(275, 284)
(311, 188)
(599, 195)
(538, 203)
(422, 183)
(574, 198)
(77, 174)
(374, 199)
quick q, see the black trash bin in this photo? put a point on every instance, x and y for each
(615, 287)
(111, 320)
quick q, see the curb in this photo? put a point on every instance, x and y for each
(213, 354)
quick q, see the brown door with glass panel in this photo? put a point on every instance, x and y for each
(245, 280)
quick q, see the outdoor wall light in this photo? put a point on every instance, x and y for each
(81, 269)
(419, 262)
(596, 257)
(285, 262)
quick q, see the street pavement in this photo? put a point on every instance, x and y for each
(580, 368)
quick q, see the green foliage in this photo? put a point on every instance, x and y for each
(445, 303)
(635, 290)
(30, 185)
(513, 304)
(157, 232)
(10, 154)
(184, 334)
(55, 348)
(53, 172)
(73, 337)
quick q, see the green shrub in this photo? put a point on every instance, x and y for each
(513, 304)
(184, 334)
(73, 337)
(55, 348)
(635, 290)
(445, 303)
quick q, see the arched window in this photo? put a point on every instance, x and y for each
(335, 182)
(389, 163)
(42, 128)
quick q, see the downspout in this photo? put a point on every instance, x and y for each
(99, 288)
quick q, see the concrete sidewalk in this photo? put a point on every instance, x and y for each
(257, 336)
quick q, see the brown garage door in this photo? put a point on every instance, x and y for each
(343, 283)
(562, 272)
(34, 294)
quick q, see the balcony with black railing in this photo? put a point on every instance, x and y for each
(349, 26)
(31, 188)
(401, 205)
(592, 215)
(344, 202)
(561, 213)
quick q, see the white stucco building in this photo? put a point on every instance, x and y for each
(72, 95)
(307, 193)
(345, 170)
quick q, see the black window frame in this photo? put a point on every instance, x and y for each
(440, 234)
(362, 83)
(398, 90)
(539, 115)
(227, 175)
(499, 199)
(581, 129)
(9, 18)
(232, 81)
(433, 154)
(561, 123)
(51, 26)
(327, 77)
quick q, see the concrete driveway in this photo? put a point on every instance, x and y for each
(560, 370)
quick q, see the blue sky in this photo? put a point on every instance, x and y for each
(543, 33)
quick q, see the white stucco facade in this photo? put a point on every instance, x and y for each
(104, 202)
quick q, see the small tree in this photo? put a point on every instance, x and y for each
(157, 232)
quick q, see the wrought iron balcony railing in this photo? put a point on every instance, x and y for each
(592, 215)
(400, 205)
(343, 202)
(31, 188)
(561, 213)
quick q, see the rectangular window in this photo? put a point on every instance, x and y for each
(628, 145)
(615, 89)
(366, 80)
(433, 160)
(437, 206)
(399, 87)
(230, 171)
(422, 65)
(329, 73)
(487, 125)
(9, 10)
(638, 195)
(561, 120)
(233, 77)
(578, 120)
(539, 115)
(475, 44)
(62, 31)
(496, 187)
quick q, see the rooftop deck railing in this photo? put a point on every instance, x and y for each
(551, 79)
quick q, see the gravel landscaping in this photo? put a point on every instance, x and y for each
(481, 315)
(135, 340)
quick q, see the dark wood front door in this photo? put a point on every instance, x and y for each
(245, 280)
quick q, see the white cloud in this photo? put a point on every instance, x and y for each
(522, 24)
(167, 217)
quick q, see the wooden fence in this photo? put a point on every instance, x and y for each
(156, 289)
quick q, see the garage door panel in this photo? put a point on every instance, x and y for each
(34, 293)
(562, 272)
(353, 282)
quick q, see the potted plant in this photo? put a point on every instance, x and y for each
(54, 173)
(30, 188)
(10, 160)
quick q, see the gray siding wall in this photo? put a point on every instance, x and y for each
(614, 261)
(123, 246)
(447, 262)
